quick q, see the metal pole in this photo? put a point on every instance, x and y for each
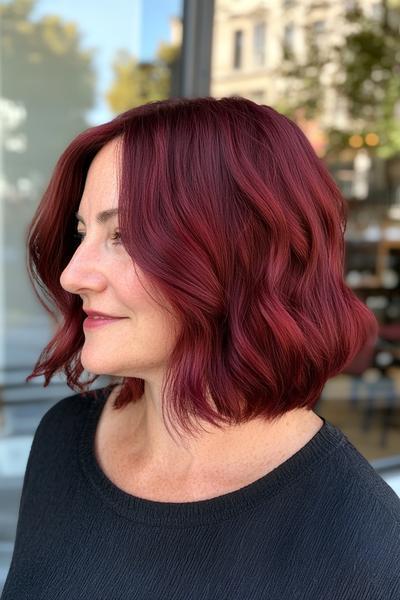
(3, 184)
(198, 17)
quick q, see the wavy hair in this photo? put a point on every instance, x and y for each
(228, 211)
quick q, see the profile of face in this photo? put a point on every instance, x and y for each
(105, 277)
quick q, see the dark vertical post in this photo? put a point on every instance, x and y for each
(198, 16)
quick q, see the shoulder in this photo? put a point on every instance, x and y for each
(362, 518)
(353, 524)
(54, 441)
(66, 408)
(74, 404)
(63, 418)
(347, 484)
(350, 506)
(366, 488)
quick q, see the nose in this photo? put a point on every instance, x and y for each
(84, 272)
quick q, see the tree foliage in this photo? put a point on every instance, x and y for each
(303, 78)
(364, 71)
(136, 83)
(371, 62)
(45, 70)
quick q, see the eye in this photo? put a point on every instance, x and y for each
(79, 235)
(116, 236)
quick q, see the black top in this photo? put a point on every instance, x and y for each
(321, 526)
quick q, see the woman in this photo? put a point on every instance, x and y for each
(215, 300)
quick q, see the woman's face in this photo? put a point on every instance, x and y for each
(104, 276)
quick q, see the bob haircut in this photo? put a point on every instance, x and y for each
(233, 218)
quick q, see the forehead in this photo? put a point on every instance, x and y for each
(100, 192)
(102, 217)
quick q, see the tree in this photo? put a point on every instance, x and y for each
(364, 71)
(303, 85)
(371, 62)
(48, 83)
(136, 83)
(45, 71)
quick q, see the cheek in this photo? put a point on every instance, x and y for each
(136, 289)
(147, 304)
(132, 294)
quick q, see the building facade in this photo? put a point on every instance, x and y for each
(253, 38)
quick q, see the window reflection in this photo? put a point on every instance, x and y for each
(65, 66)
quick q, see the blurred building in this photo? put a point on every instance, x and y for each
(252, 39)
(256, 47)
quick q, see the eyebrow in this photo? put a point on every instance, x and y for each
(102, 217)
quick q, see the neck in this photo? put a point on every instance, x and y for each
(254, 446)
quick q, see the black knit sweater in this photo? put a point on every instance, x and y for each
(321, 526)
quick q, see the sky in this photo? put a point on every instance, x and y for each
(134, 25)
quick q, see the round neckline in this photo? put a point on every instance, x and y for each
(218, 508)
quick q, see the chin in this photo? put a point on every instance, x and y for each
(97, 366)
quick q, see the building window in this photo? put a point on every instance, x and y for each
(259, 44)
(237, 49)
(377, 11)
(318, 27)
(350, 5)
(288, 41)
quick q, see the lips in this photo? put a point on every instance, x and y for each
(101, 318)
(94, 321)
(94, 314)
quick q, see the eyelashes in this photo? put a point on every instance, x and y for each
(78, 236)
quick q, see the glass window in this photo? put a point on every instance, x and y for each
(65, 66)
(237, 49)
(259, 40)
(377, 11)
(288, 40)
(318, 27)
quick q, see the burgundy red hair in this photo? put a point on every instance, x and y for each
(232, 216)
